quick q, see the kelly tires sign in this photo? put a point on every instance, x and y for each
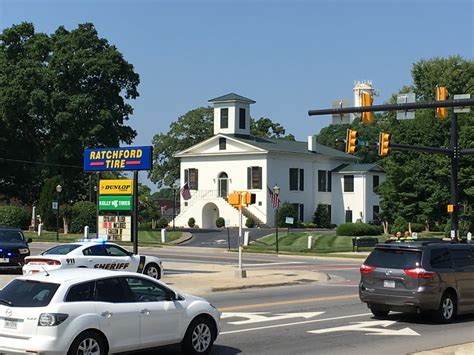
(113, 159)
(115, 203)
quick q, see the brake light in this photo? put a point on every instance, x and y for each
(419, 273)
(42, 262)
(366, 269)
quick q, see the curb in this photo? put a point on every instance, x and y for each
(279, 284)
(186, 236)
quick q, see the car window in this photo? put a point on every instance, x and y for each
(440, 258)
(11, 236)
(463, 258)
(81, 293)
(394, 258)
(145, 290)
(28, 293)
(95, 250)
(61, 249)
(113, 250)
(113, 290)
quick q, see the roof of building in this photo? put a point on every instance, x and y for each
(232, 97)
(358, 168)
(286, 146)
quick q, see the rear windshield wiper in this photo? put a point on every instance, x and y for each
(6, 302)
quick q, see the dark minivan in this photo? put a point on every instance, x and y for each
(13, 248)
(419, 276)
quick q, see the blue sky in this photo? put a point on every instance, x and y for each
(288, 56)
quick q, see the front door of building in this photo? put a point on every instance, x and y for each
(223, 185)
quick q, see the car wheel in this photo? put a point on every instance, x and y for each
(447, 308)
(379, 313)
(153, 270)
(199, 337)
(88, 343)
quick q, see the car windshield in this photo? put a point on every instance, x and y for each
(61, 249)
(11, 236)
(394, 258)
(27, 293)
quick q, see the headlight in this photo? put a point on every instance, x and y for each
(51, 319)
(24, 250)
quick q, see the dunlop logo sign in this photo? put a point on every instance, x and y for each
(116, 187)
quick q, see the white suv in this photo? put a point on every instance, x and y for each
(83, 311)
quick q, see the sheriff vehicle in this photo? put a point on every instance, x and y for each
(93, 254)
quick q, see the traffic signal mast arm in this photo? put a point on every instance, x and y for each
(421, 148)
(394, 107)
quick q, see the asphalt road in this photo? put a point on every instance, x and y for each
(318, 318)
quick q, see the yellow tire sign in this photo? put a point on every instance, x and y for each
(116, 187)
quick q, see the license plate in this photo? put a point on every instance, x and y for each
(4, 260)
(389, 283)
(10, 324)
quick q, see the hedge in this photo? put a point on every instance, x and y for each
(13, 216)
(358, 229)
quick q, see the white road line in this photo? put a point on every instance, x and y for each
(283, 263)
(294, 323)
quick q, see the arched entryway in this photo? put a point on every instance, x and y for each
(210, 212)
(223, 185)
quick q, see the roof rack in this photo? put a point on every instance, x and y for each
(421, 241)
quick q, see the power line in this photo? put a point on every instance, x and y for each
(39, 163)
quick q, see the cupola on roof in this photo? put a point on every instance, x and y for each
(232, 97)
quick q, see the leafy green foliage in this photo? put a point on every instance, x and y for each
(59, 94)
(220, 222)
(191, 222)
(286, 210)
(83, 214)
(14, 216)
(162, 223)
(47, 196)
(147, 207)
(321, 216)
(358, 229)
(250, 223)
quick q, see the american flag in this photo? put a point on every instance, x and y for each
(185, 192)
(274, 198)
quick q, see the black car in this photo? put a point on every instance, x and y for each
(13, 248)
(419, 276)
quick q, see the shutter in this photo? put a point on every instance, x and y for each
(329, 181)
(301, 212)
(186, 176)
(301, 179)
(197, 175)
(259, 178)
(249, 178)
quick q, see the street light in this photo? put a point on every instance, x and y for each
(59, 188)
(276, 192)
(174, 188)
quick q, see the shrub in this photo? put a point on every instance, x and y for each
(399, 225)
(162, 223)
(220, 222)
(310, 225)
(417, 227)
(83, 214)
(191, 222)
(14, 216)
(286, 210)
(321, 216)
(358, 229)
(250, 223)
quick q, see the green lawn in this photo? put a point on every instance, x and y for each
(145, 237)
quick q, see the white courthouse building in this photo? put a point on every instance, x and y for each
(307, 173)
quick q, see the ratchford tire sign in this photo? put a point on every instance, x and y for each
(116, 187)
(111, 159)
(115, 203)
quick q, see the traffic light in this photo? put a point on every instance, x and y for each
(367, 100)
(384, 143)
(441, 95)
(450, 208)
(248, 198)
(351, 141)
(234, 199)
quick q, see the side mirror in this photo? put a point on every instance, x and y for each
(29, 240)
(171, 295)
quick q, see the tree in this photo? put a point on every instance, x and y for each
(59, 94)
(147, 208)
(417, 187)
(192, 128)
(321, 216)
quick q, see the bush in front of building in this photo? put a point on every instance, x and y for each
(162, 223)
(191, 222)
(286, 210)
(358, 229)
(399, 225)
(321, 216)
(14, 216)
(83, 214)
(250, 223)
(417, 227)
(220, 222)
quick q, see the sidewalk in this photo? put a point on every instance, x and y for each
(462, 349)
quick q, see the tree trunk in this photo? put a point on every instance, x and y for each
(65, 226)
(385, 227)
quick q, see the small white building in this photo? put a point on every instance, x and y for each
(306, 172)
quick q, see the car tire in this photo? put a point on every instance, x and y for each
(379, 313)
(447, 309)
(88, 342)
(199, 337)
(152, 270)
